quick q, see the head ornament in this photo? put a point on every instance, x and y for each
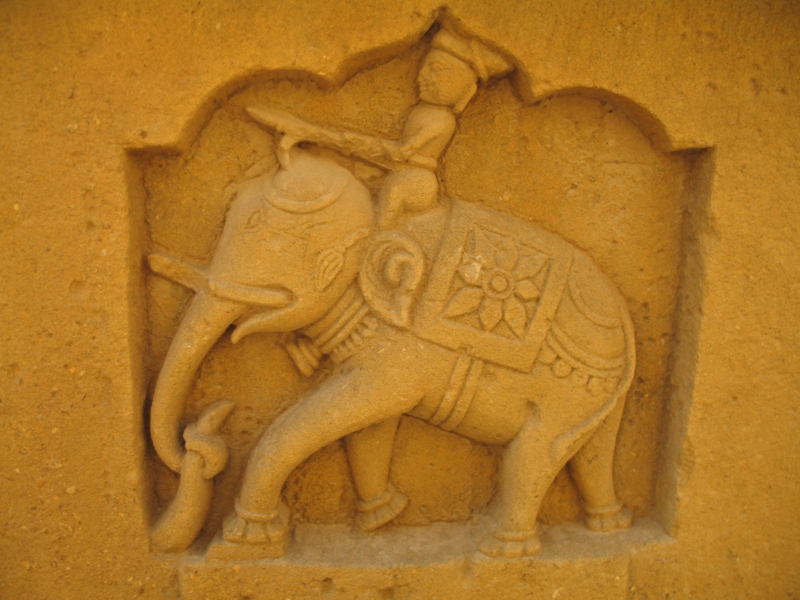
(308, 186)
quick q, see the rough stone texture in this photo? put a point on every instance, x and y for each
(86, 85)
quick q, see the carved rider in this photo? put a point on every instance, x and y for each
(447, 80)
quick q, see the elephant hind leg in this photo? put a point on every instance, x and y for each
(528, 470)
(369, 452)
(592, 469)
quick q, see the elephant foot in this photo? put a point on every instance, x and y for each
(270, 529)
(510, 544)
(608, 518)
(373, 514)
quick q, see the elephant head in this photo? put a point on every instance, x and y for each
(293, 241)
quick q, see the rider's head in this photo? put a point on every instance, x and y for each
(446, 80)
(451, 71)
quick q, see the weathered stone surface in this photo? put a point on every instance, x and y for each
(659, 141)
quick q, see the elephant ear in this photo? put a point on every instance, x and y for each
(390, 276)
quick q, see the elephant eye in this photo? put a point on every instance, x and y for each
(254, 222)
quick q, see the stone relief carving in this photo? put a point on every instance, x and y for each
(472, 320)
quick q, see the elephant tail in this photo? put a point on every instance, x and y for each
(570, 442)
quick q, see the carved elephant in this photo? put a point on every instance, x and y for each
(472, 320)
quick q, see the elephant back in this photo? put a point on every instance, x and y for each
(509, 292)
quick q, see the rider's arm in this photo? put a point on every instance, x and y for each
(426, 126)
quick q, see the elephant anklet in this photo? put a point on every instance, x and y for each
(608, 518)
(383, 509)
(258, 528)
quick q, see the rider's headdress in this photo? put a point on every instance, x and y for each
(484, 61)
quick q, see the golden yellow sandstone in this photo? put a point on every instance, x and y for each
(660, 141)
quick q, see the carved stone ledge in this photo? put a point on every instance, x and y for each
(440, 559)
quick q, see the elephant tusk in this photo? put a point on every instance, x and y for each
(267, 297)
(196, 278)
(174, 269)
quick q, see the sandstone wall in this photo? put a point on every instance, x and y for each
(687, 114)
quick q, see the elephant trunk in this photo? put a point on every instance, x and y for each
(206, 455)
(205, 321)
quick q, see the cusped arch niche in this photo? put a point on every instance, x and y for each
(584, 164)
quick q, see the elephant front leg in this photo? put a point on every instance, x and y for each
(345, 403)
(370, 454)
